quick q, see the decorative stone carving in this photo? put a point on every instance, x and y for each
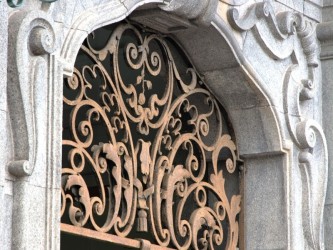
(28, 70)
(32, 73)
(278, 32)
(201, 12)
(99, 15)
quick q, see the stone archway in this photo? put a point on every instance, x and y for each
(280, 132)
(261, 114)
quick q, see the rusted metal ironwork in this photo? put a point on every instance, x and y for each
(145, 146)
(113, 239)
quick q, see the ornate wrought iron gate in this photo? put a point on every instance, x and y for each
(146, 147)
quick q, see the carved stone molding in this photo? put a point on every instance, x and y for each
(277, 30)
(201, 12)
(32, 74)
(33, 39)
(309, 137)
(87, 21)
(278, 34)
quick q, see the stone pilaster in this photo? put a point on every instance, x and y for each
(325, 35)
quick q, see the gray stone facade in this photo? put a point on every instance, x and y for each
(270, 63)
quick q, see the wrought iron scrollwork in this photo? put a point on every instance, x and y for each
(146, 145)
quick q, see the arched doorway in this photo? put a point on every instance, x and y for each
(148, 152)
(275, 116)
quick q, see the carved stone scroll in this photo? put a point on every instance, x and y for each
(278, 30)
(30, 71)
(308, 135)
(278, 33)
(201, 12)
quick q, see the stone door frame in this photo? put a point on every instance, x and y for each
(281, 141)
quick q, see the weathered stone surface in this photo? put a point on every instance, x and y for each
(5, 210)
(265, 203)
(327, 10)
(6, 221)
(260, 59)
(325, 34)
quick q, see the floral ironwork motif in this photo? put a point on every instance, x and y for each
(146, 146)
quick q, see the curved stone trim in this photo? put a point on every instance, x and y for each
(31, 100)
(76, 36)
(290, 28)
(29, 71)
(92, 19)
(267, 118)
(279, 121)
